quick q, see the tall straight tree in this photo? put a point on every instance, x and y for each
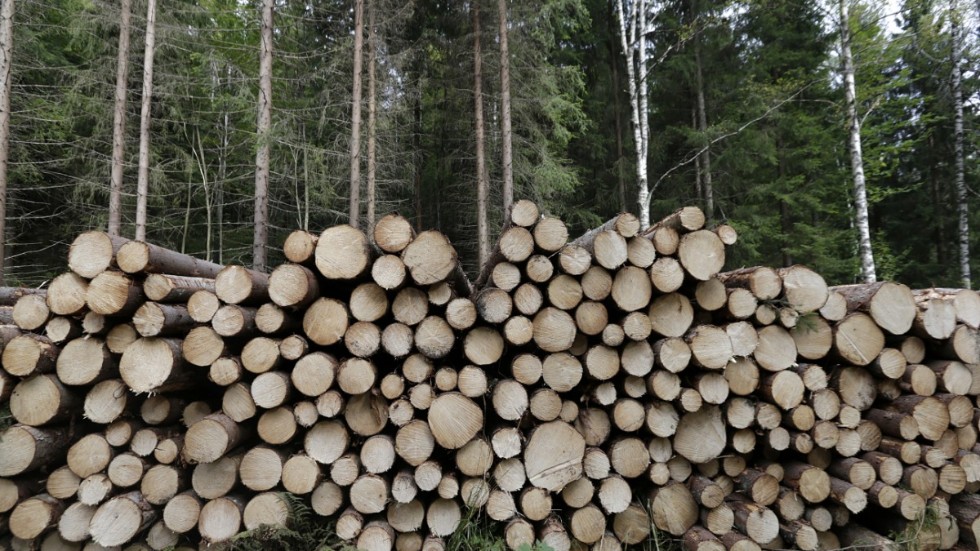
(372, 115)
(854, 148)
(6, 51)
(962, 197)
(704, 164)
(631, 16)
(506, 137)
(263, 127)
(143, 174)
(355, 125)
(119, 121)
(482, 230)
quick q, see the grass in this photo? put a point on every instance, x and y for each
(476, 532)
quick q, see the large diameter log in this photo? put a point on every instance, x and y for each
(92, 253)
(292, 285)
(30, 312)
(430, 258)
(701, 436)
(673, 509)
(175, 288)
(935, 318)
(931, 414)
(120, 519)
(66, 294)
(24, 448)
(804, 290)
(237, 284)
(857, 339)
(454, 420)
(113, 293)
(35, 515)
(554, 330)
(154, 320)
(890, 305)
(29, 354)
(221, 518)
(325, 321)
(155, 365)
(550, 234)
(702, 254)
(553, 455)
(41, 400)
(210, 438)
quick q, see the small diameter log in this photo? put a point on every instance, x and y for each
(711, 347)
(62, 328)
(763, 282)
(210, 438)
(631, 289)
(292, 285)
(174, 288)
(392, 233)
(671, 315)
(935, 318)
(138, 257)
(430, 258)
(300, 246)
(388, 271)
(237, 284)
(550, 234)
(113, 293)
(155, 365)
(673, 509)
(155, 320)
(931, 414)
(776, 350)
(121, 518)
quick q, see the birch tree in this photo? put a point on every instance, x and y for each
(631, 15)
(355, 127)
(143, 174)
(482, 230)
(854, 148)
(505, 122)
(6, 51)
(962, 197)
(119, 120)
(263, 125)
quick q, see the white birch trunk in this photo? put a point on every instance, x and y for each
(854, 146)
(355, 127)
(119, 121)
(482, 230)
(6, 53)
(505, 123)
(962, 197)
(263, 125)
(372, 115)
(633, 43)
(143, 174)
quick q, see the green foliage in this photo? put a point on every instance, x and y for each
(304, 532)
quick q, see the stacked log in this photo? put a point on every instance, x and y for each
(584, 392)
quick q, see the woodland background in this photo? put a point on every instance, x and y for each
(746, 116)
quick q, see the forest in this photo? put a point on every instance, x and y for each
(840, 134)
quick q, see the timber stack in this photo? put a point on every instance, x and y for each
(583, 393)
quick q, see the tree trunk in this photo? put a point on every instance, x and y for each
(483, 234)
(6, 62)
(119, 120)
(962, 199)
(709, 201)
(372, 115)
(633, 40)
(143, 177)
(505, 128)
(263, 126)
(854, 146)
(355, 129)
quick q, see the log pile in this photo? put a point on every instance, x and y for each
(582, 393)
